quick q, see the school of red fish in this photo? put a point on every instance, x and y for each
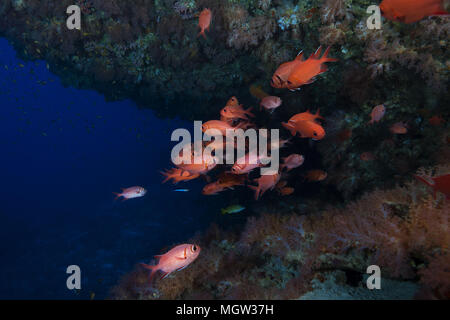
(291, 75)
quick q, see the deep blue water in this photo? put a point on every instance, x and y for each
(64, 151)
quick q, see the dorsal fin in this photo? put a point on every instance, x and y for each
(299, 57)
(316, 55)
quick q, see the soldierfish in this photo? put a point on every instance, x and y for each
(131, 193)
(221, 126)
(247, 163)
(177, 175)
(213, 188)
(409, 11)
(306, 129)
(175, 259)
(292, 161)
(204, 20)
(285, 191)
(316, 175)
(306, 71)
(306, 116)
(399, 128)
(377, 113)
(265, 182)
(281, 75)
(236, 112)
(270, 103)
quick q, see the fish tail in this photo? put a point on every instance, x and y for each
(289, 127)
(223, 211)
(118, 195)
(256, 189)
(166, 175)
(248, 112)
(202, 33)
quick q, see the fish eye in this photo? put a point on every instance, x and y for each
(315, 133)
(194, 248)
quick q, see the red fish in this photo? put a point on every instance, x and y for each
(175, 259)
(399, 128)
(439, 184)
(270, 103)
(306, 71)
(281, 75)
(178, 175)
(236, 112)
(131, 193)
(199, 168)
(285, 191)
(377, 113)
(293, 161)
(222, 126)
(204, 21)
(316, 175)
(225, 181)
(436, 121)
(213, 188)
(409, 11)
(306, 116)
(265, 182)
(246, 164)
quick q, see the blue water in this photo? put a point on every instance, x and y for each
(64, 151)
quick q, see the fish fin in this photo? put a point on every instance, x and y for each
(158, 256)
(153, 270)
(164, 275)
(290, 127)
(423, 180)
(299, 56)
(318, 116)
(118, 195)
(179, 269)
(201, 33)
(316, 54)
(325, 56)
(323, 68)
(440, 13)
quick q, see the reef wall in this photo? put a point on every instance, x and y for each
(150, 51)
